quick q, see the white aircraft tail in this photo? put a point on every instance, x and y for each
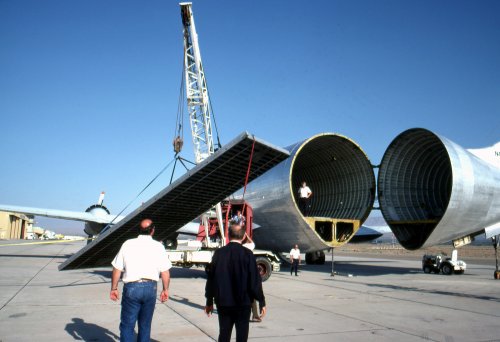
(101, 198)
(491, 154)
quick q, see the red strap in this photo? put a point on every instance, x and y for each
(248, 174)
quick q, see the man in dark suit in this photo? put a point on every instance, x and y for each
(234, 282)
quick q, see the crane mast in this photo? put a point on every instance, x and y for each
(198, 100)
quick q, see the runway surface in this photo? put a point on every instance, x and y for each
(385, 300)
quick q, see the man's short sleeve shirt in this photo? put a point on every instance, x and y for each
(305, 191)
(141, 258)
(295, 253)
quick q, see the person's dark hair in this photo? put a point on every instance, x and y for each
(236, 231)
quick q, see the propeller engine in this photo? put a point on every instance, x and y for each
(98, 210)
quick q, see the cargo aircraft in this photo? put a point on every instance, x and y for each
(430, 191)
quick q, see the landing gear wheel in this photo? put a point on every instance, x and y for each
(321, 258)
(264, 267)
(446, 269)
(311, 258)
(315, 258)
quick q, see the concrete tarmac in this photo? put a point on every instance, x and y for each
(385, 300)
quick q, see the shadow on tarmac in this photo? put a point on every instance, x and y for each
(179, 272)
(186, 301)
(356, 268)
(83, 331)
(104, 274)
(175, 272)
(436, 292)
(101, 273)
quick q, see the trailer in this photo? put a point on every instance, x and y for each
(198, 252)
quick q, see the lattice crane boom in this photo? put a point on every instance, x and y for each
(198, 101)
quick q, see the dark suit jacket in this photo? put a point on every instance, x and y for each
(233, 279)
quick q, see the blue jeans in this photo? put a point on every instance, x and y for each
(138, 305)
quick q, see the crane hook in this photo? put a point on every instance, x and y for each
(178, 143)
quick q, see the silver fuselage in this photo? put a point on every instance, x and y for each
(343, 185)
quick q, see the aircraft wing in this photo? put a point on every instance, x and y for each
(59, 214)
(365, 234)
(194, 193)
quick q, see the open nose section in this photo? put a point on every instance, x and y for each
(414, 185)
(342, 182)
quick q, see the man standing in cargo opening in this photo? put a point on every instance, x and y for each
(294, 259)
(305, 193)
(142, 260)
(233, 282)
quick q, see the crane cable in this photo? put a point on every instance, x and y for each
(179, 121)
(136, 197)
(219, 145)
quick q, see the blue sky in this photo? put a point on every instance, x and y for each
(89, 89)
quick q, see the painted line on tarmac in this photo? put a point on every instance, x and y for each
(388, 296)
(378, 326)
(39, 242)
(29, 281)
(188, 320)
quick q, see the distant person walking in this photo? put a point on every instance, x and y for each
(305, 194)
(142, 260)
(294, 259)
(233, 283)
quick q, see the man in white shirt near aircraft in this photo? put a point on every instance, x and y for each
(294, 259)
(142, 260)
(304, 194)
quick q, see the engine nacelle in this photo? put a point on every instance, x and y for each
(432, 191)
(342, 180)
(98, 210)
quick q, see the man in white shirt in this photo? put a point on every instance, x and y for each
(304, 194)
(142, 260)
(294, 259)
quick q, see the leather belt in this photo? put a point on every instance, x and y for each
(143, 280)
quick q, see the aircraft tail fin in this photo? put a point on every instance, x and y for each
(101, 198)
(490, 154)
